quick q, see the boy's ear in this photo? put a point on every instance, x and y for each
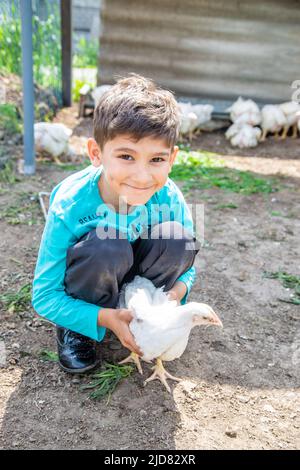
(173, 156)
(94, 152)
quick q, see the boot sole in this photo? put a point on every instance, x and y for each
(78, 371)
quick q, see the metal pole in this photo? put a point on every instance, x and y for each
(28, 93)
(66, 50)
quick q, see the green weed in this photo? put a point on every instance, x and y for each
(9, 119)
(230, 205)
(288, 281)
(8, 174)
(49, 356)
(106, 381)
(17, 301)
(25, 212)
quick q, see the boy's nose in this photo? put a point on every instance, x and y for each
(142, 179)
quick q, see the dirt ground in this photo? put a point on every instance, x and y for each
(240, 387)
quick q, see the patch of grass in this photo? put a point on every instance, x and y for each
(48, 356)
(25, 213)
(17, 301)
(288, 281)
(9, 119)
(201, 170)
(230, 205)
(276, 214)
(106, 381)
(67, 166)
(8, 175)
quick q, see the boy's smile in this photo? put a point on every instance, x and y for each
(132, 170)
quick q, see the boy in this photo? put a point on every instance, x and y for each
(119, 217)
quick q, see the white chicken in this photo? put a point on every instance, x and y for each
(160, 327)
(99, 91)
(188, 120)
(243, 135)
(290, 110)
(193, 117)
(273, 120)
(203, 113)
(245, 112)
(52, 139)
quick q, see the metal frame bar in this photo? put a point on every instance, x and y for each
(28, 90)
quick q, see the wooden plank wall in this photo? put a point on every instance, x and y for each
(201, 48)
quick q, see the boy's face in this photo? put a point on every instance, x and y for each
(132, 171)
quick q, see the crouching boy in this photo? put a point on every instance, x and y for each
(119, 217)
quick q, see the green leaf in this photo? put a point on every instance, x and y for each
(50, 356)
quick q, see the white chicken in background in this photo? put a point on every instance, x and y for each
(99, 91)
(273, 120)
(290, 110)
(245, 112)
(203, 113)
(243, 135)
(193, 117)
(52, 139)
(160, 327)
(188, 120)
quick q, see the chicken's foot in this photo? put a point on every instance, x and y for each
(285, 132)
(133, 358)
(161, 374)
(295, 131)
(264, 135)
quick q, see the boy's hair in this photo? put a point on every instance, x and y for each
(135, 105)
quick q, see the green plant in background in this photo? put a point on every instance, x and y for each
(201, 170)
(46, 45)
(86, 54)
(107, 380)
(9, 119)
(46, 48)
(10, 41)
(78, 84)
(17, 301)
(288, 281)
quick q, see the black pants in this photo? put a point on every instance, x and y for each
(97, 268)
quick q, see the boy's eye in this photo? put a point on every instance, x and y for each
(154, 159)
(125, 157)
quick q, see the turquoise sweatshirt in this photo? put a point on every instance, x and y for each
(76, 208)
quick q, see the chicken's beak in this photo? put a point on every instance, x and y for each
(216, 320)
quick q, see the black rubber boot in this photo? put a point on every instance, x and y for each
(77, 353)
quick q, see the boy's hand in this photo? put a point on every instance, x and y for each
(172, 295)
(117, 320)
(177, 292)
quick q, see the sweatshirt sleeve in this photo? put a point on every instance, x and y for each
(49, 298)
(183, 215)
